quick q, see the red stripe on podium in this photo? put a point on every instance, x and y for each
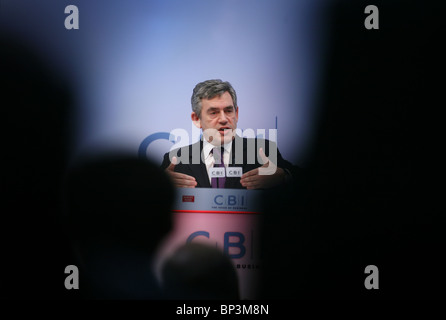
(210, 211)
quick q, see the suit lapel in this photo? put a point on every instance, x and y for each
(200, 174)
(199, 169)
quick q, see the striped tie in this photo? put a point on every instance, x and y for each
(218, 158)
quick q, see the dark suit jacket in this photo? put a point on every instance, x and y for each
(198, 170)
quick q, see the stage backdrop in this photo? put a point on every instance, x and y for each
(134, 64)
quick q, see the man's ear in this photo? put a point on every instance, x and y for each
(196, 120)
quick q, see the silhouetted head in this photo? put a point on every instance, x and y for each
(34, 135)
(198, 271)
(118, 200)
(118, 209)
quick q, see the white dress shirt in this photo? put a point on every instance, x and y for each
(208, 157)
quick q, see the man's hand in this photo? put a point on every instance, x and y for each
(253, 180)
(180, 180)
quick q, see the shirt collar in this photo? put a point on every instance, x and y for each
(207, 147)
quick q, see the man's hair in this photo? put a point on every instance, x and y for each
(209, 89)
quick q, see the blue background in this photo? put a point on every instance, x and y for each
(133, 65)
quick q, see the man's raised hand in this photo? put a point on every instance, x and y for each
(266, 176)
(180, 180)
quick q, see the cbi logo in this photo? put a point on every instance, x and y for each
(230, 200)
(228, 242)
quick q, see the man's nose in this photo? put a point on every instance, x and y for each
(222, 117)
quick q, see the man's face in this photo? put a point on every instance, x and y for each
(218, 119)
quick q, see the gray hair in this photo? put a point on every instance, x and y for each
(209, 89)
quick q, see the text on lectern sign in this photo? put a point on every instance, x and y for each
(204, 199)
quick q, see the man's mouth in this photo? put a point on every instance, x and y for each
(225, 130)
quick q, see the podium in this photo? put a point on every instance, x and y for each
(226, 218)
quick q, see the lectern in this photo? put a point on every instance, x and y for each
(226, 218)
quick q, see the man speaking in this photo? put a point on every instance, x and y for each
(222, 159)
